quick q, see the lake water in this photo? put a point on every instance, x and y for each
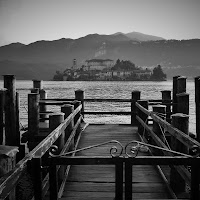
(102, 89)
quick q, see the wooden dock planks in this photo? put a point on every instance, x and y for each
(98, 182)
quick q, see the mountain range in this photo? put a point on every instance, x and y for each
(41, 59)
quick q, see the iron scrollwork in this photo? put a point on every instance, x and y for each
(53, 151)
(131, 149)
(115, 151)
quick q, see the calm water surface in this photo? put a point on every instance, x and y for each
(100, 89)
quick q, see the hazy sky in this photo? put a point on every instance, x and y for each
(27, 21)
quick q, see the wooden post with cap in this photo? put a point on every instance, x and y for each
(166, 100)
(2, 103)
(174, 108)
(181, 122)
(197, 103)
(12, 137)
(33, 118)
(79, 95)
(135, 98)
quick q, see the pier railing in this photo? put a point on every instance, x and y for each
(169, 134)
(65, 135)
(169, 140)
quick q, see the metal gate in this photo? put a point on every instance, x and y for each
(123, 158)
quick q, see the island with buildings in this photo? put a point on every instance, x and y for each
(108, 70)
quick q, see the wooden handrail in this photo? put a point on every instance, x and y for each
(181, 169)
(42, 148)
(10, 180)
(43, 101)
(181, 136)
(52, 102)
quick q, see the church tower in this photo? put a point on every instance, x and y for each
(74, 66)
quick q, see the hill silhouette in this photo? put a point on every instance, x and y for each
(42, 58)
(140, 36)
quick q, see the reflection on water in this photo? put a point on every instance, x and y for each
(103, 89)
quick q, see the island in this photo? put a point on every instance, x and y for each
(107, 70)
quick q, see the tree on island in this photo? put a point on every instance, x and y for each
(58, 76)
(158, 74)
(124, 65)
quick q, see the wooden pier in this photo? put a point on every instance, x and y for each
(154, 157)
(98, 182)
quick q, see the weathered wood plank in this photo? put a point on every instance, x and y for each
(98, 195)
(142, 187)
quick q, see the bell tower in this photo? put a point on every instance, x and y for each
(74, 66)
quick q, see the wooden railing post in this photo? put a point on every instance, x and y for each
(2, 103)
(43, 108)
(181, 84)
(76, 105)
(143, 116)
(166, 99)
(135, 98)
(37, 178)
(35, 90)
(159, 110)
(128, 179)
(174, 108)
(183, 103)
(119, 180)
(195, 193)
(53, 182)
(79, 95)
(67, 110)
(197, 103)
(22, 147)
(55, 119)
(11, 137)
(38, 84)
(33, 118)
(181, 122)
